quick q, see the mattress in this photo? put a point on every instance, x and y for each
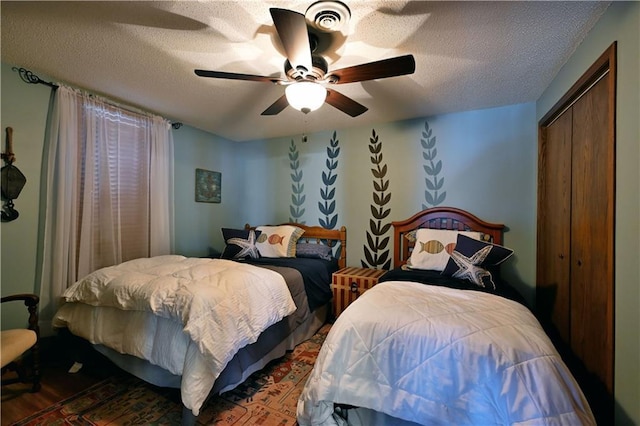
(162, 333)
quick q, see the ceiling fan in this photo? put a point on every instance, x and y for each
(307, 73)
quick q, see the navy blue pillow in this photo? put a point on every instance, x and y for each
(241, 243)
(474, 260)
(313, 250)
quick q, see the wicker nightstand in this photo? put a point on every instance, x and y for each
(349, 283)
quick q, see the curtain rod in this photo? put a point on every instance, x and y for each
(29, 77)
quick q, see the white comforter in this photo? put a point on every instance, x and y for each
(440, 356)
(220, 305)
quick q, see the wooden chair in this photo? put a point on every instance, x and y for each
(17, 343)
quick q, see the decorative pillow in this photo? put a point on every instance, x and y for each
(241, 243)
(471, 260)
(411, 235)
(433, 247)
(313, 250)
(278, 241)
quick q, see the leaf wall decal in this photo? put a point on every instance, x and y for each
(297, 188)
(376, 252)
(328, 205)
(432, 168)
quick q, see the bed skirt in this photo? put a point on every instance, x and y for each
(273, 343)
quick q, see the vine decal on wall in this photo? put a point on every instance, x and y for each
(328, 205)
(434, 183)
(377, 254)
(297, 188)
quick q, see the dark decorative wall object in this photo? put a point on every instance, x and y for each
(376, 252)
(208, 186)
(433, 168)
(297, 188)
(328, 205)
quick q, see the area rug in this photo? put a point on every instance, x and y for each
(268, 398)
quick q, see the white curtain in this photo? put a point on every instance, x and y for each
(161, 197)
(109, 191)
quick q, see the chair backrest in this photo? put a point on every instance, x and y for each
(31, 302)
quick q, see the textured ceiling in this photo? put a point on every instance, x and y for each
(469, 55)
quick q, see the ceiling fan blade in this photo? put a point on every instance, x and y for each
(391, 67)
(236, 76)
(277, 106)
(292, 30)
(344, 103)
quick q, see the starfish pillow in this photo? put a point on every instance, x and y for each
(471, 260)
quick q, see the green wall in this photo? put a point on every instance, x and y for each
(488, 163)
(197, 225)
(24, 108)
(620, 23)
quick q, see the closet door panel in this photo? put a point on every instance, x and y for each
(591, 235)
(554, 224)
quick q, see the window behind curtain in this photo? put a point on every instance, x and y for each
(114, 187)
(102, 205)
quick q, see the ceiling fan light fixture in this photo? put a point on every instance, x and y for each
(306, 96)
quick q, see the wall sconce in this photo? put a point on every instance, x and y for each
(306, 96)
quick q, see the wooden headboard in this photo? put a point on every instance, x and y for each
(331, 237)
(439, 218)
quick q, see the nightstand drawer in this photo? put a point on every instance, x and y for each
(349, 283)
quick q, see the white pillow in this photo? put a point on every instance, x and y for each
(278, 241)
(433, 247)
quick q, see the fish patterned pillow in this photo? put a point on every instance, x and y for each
(278, 241)
(433, 248)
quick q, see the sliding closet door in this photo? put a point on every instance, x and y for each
(554, 223)
(575, 246)
(592, 232)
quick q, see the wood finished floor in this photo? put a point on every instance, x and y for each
(57, 384)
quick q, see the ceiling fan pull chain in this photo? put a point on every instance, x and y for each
(304, 128)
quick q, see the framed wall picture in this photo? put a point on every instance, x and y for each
(208, 186)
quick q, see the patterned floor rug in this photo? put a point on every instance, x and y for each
(267, 398)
